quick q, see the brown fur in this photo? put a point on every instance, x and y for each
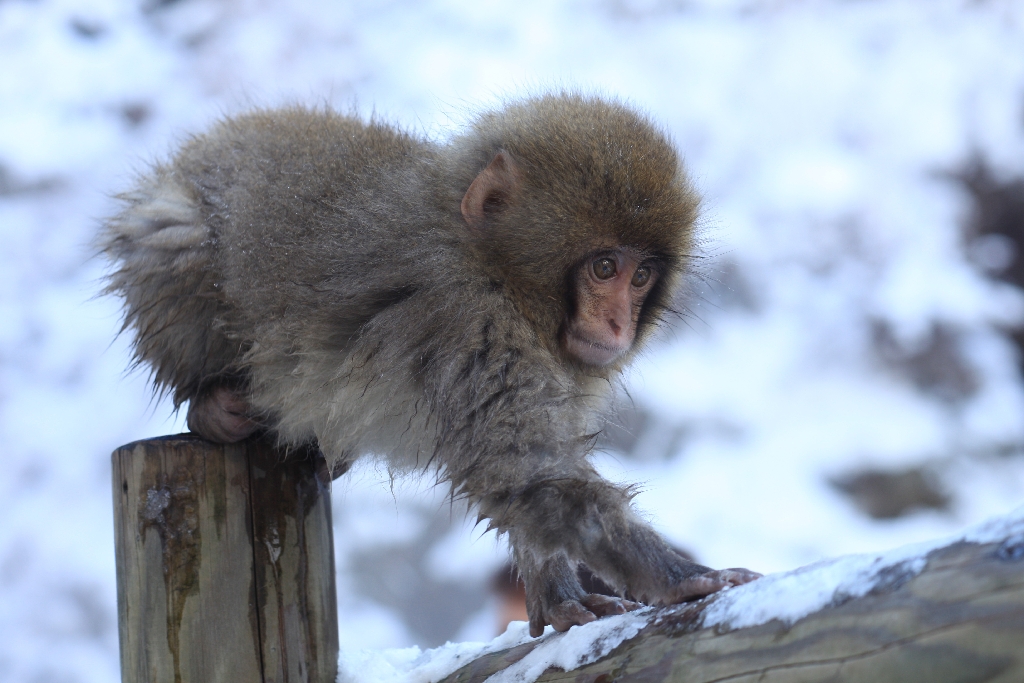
(320, 267)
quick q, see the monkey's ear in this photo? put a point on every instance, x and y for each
(492, 188)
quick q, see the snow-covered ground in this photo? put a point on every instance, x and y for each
(822, 134)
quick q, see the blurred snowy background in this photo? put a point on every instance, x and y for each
(847, 379)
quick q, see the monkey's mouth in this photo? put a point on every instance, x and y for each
(590, 351)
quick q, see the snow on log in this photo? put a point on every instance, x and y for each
(951, 610)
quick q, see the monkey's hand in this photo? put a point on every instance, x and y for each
(554, 596)
(576, 611)
(591, 522)
(568, 613)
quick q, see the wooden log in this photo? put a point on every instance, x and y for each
(959, 620)
(225, 563)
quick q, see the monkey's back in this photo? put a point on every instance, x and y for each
(256, 238)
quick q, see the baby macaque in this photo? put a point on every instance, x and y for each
(462, 306)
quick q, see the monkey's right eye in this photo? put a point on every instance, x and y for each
(604, 268)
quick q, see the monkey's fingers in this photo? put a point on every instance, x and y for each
(739, 576)
(562, 617)
(604, 605)
(712, 582)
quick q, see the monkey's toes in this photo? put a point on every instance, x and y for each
(604, 605)
(221, 416)
(711, 582)
(737, 576)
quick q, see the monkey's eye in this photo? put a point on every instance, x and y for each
(604, 268)
(642, 276)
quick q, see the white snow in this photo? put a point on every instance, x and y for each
(576, 647)
(412, 665)
(818, 132)
(790, 596)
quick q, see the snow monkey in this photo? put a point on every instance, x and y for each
(460, 305)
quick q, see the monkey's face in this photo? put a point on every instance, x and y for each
(610, 289)
(552, 229)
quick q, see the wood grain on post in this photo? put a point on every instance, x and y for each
(225, 563)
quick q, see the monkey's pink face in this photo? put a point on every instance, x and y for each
(611, 287)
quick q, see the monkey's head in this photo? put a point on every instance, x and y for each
(581, 209)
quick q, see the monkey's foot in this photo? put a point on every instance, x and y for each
(583, 611)
(222, 415)
(711, 582)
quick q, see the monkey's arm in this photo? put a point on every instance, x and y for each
(511, 437)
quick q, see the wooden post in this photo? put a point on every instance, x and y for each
(225, 563)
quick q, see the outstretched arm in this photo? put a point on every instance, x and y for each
(512, 438)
